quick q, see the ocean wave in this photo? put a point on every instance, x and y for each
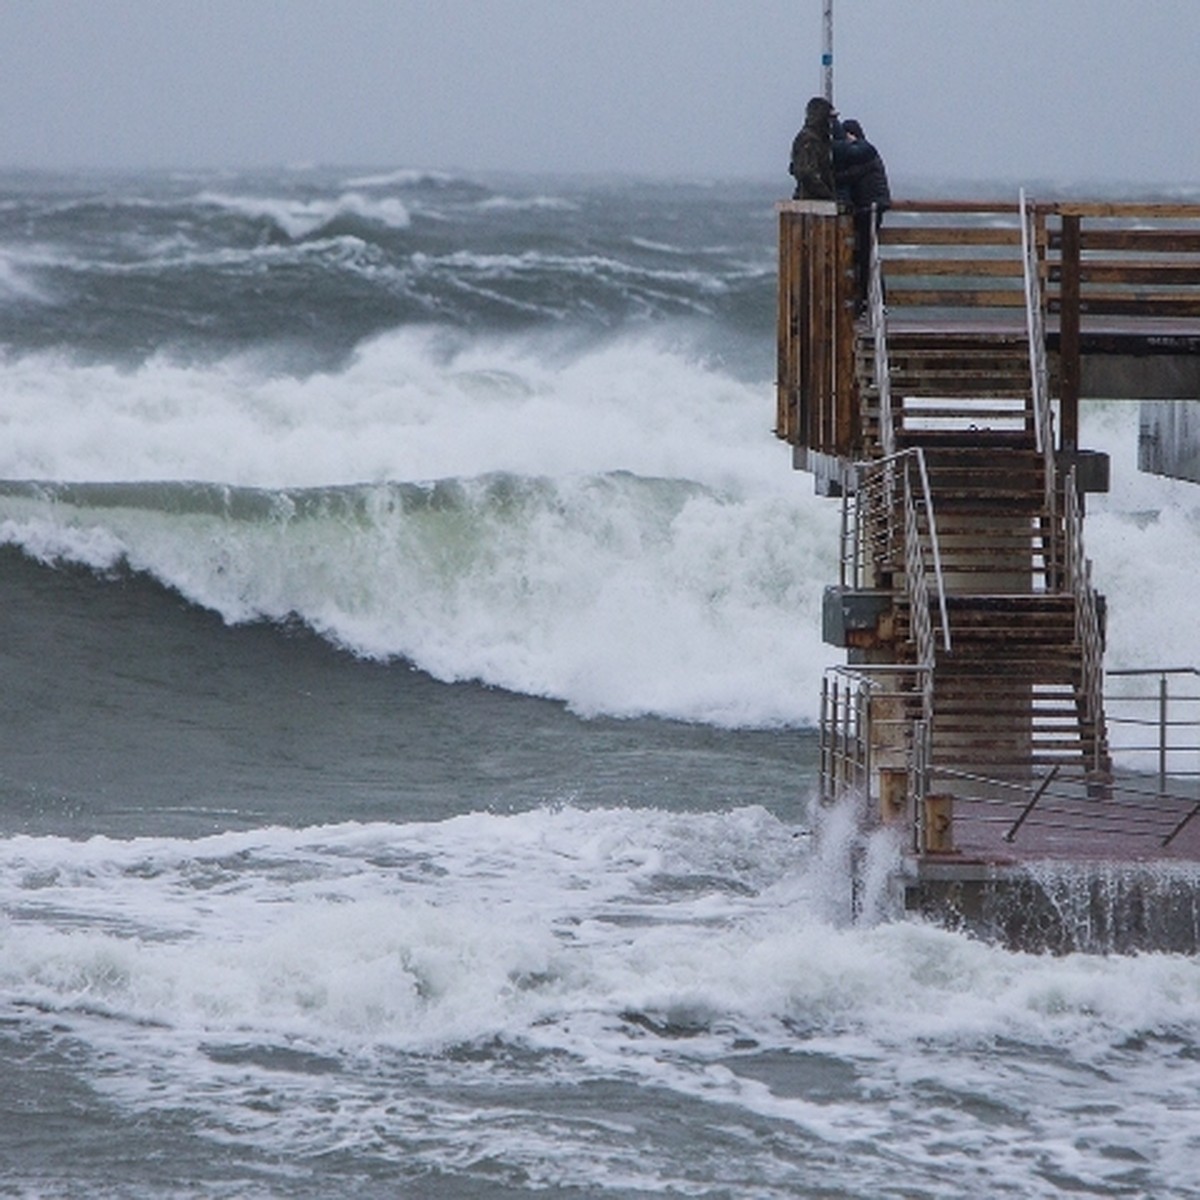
(412, 177)
(298, 219)
(608, 525)
(619, 595)
(422, 403)
(1143, 537)
(661, 247)
(515, 254)
(501, 265)
(163, 259)
(15, 281)
(528, 204)
(734, 888)
(381, 990)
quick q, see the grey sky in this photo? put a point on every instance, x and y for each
(1070, 90)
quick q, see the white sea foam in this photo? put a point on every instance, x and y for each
(1144, 539)
(300, 218)
(341, 250)
(618, 528)
(615, 525)
(415, 405)
(744, 941)
(467, 263)
(402, 177)
(672, 949)
(528, 204)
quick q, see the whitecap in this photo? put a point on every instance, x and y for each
(300, 218)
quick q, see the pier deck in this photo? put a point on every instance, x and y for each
(971, 710)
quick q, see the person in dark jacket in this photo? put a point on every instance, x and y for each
(862, 185)
(811, 164)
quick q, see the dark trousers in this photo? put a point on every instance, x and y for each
(865, 220)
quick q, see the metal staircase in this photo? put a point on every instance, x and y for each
(968, 714)
(1010, 675)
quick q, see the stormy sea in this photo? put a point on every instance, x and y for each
(410, 663)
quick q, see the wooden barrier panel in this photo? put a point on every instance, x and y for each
(949, 255)
(816, 401)
(1109, 270)
(1137, 261)
(1135, 264)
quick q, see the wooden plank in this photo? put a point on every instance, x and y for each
(948, 235)
(1160, 241)
(968, 267)
(932, 363)
(849, 431)
(955, 335)
(955, 206)
(819, 333)
(1069, 344)
(788, 366)
(1139, 304)
(1160, 274)
(975, 412)
(968, 382)
(1156, 210)
(808, 395)
(944, 298)
(783, 334)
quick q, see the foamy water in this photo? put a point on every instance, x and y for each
(681, 952)
(521, 436)
(301, 218)
(613, 526)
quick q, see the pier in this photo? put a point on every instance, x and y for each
(973, 713)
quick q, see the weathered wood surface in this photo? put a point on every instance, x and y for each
(817, 397)
(1120, 281)
(1129, 823)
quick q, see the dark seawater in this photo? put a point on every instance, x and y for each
(411, 652)
(165, 722)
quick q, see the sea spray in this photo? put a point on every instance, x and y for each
(858, 863)
(533, 424)
(1144, 539)
(619, 595)
(685, 583)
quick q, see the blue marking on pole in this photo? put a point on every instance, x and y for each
(827, 60)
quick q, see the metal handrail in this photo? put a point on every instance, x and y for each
(1160, 704)
(1133, 811)
(1078, 570)
(878, 319)
(849, 726)
(870, 531)
(1035, 324)
(934, 545)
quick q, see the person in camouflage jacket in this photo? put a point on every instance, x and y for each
(812, 153)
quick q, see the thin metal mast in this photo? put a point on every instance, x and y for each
(827, 52)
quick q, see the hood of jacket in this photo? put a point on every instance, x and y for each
(817, 113)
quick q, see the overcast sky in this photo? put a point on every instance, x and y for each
(1068, 90)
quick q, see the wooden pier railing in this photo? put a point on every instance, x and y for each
(1121, 273)
(817, 395)
(1118, 278)
(987, 747)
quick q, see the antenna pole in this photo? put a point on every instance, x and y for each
(827, 51)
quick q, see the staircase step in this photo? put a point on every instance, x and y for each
(965, 437)
(974, 704)
(1040, 669)
(1007, 697)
